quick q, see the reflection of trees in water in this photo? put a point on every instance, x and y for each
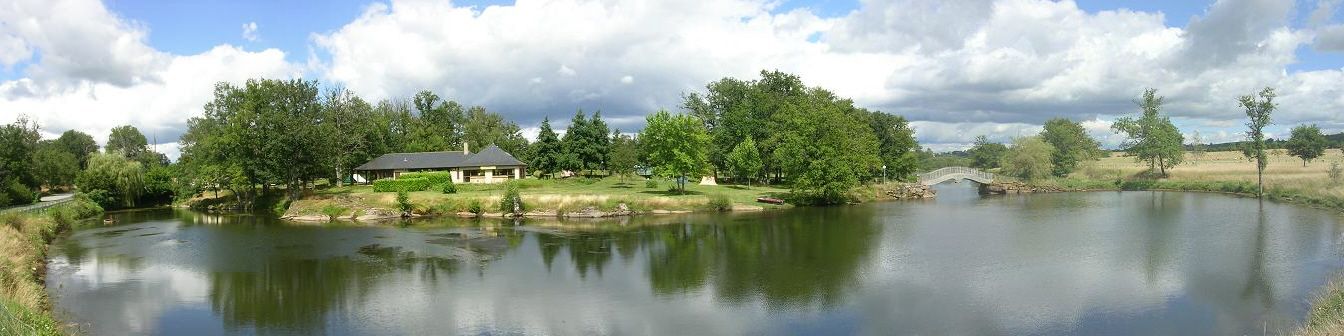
(801, 257)
(297, 294)
(1257, 282)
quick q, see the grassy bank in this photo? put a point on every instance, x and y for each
(23, 241)
(545, 195)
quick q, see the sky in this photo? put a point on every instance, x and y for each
(956, 69)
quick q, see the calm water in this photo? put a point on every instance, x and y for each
(1081, 263)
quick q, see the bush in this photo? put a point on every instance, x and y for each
(435, 178)
(475, 207)
(720, 202)
(651, 184)
(512, 202)
(402, 184)
(18, 194)
(102, 197)
(334, 211)
(449, 187)
(404, 202)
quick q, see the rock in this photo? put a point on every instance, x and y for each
(910, 191)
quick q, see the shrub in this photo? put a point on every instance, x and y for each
(720, 202)
(651, 184)
(402, 184)
(512, 202)
(334, 211)
(404, 202)
(1336, 173)
(475, 207)
(435, 178)
(280, 206)
(18, 193)
(449, 187)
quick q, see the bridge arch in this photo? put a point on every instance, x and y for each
(956, 173)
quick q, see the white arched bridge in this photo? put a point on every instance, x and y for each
(956, 173)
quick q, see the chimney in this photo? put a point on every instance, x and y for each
(464, 148)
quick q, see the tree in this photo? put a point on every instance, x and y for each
(1152, 137)
(582, 148)
(1258, 116)
(127, 140)
(624, 155)
(53, 165)
(438, 126)
(1029, 158)
(896, 145)
(18, 143)
(483, 128)
(745, 160)
(985, 154)
(1197, 146)
(677, 145)
(1307, 143)
(1071, 143)
(547, 150)
(597, 132)
(117, 180)
(826, 146)
(79, 144)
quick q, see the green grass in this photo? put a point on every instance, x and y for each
(23, 240)
(560, 195)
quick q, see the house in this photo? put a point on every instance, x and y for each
(491, 165)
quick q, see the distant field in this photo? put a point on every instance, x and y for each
(1283, 171)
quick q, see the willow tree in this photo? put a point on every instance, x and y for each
(1257, 115)
(113, 180)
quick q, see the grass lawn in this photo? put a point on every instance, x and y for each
(1284, 174)
(562, 195)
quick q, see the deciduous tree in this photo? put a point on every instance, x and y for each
(677, 145)
(1152, 137)
(1029, 158)
(1307, 143)
(1071, 143)
(1258, 116)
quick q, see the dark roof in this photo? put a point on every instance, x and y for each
(490, 156)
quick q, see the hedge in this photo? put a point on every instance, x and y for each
(435, 178)
(407, 184)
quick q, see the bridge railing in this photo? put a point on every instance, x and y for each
(945, 171)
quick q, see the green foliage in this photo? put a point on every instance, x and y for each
(1258, 116)
(624, 155)
(1029, 159)
(333, 211)
(127, 140)
(18, 143)
(1071, 143)
(483, 128)
(897, 147)
(448, 187)
(17, 194)
(512, 201)
(651, 183)
(547, 150)
(435, 179)
(121, 180)
(720, 202)
(585, 143)
(474, 206)
(54, 166)
(158, 184)
(404, 202)
(439, 126)
(985, 154)
(402, 184)
(745, 160)
(1307, 143)
(79, 144)
(1152, 137)
(929, 161)
(826, 147)
(677, 145)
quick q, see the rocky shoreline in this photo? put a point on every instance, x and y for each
(622, 210)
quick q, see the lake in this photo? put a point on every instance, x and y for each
(1096, 263)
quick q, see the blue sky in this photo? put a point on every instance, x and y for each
(957, 69)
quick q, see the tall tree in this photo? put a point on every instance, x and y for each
(1071, 145)
(18, 143)
(438, 125)
(1258, 116)
(826, 146)
(1029, 158)
(1307, 143)
(579, 148)
(985, 154)
(597, 134)
(128, 141)
(745, 160)
(79, 144)
(547, 150)
(1152, 137)
(113, 180)
(352, 133)
(483, 128)
(677, 145)
(896, 145)
(624, 155)
(53, 165)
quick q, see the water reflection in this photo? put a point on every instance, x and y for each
(1092, 263)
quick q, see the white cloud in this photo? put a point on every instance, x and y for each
(250, 31)
(65, 93)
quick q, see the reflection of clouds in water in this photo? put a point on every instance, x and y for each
(122, 298)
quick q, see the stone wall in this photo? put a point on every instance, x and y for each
(910, 191)
(1001, 188)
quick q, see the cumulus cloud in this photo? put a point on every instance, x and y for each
(956, 66)
(92, 90)
(250, 31)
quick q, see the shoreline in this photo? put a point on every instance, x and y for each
(25, 237)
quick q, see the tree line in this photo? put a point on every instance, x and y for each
(124, 173)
